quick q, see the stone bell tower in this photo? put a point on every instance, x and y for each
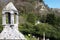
(10, 27)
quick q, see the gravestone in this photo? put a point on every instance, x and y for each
(10, 29)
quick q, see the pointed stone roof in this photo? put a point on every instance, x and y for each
(10, 6)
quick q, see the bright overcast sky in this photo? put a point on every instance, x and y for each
(53, 3)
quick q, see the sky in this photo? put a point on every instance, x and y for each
(52, 3)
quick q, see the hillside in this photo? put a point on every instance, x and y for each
(36, 6)
(56, 11)
(32, 12)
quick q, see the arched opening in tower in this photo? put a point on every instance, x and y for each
(8, 18)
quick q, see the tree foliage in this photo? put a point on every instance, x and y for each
(31, 18)
(49, 26)
(50, 18)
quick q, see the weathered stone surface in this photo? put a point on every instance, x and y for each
(10, 30)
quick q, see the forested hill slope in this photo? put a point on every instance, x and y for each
(37, 6)
(26, 6)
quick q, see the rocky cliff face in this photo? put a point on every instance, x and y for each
(56, 11)
(42, 8)
(37, 6)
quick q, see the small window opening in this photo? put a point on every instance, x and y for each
(15, 18)
(8, 18)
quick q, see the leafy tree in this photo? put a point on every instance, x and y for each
(31, 18)
(57, 20)
(50, 18)
(43, 19)
(43, 27)
(26, 28)
(38, 30)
